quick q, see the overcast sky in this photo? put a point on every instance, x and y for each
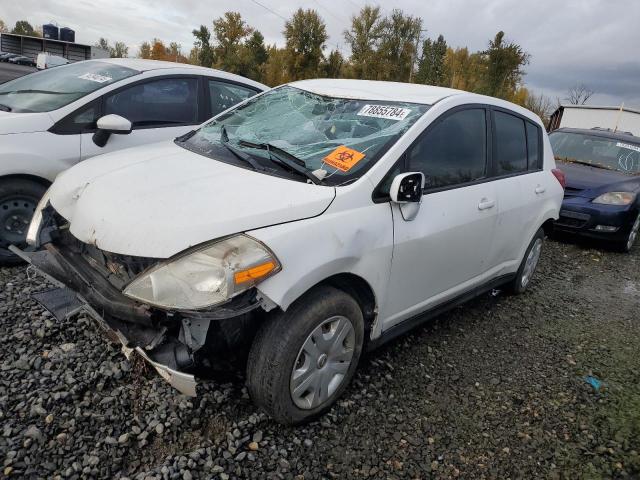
(594, 42)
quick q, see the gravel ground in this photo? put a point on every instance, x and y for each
(495, 389)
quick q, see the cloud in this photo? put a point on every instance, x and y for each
(590, 41)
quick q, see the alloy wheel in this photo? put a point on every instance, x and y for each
(531, 263)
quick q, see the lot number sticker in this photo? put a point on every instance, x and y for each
(384, 111)
(94, 77)
(628, 147)
(343, 158)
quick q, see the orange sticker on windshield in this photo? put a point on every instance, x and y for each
(343, 158)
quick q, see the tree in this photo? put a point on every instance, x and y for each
(230, 31)
(119, 50)
(24, 28)
(364, 37)
(158, 50)
(504, 67)
(145, 50)
(205, 52)
(305, 34)
(398, 45)
(103, 43)
(3, 27)
(579, 94)
(431, 66)
(253, 55)
(333, 66)
(464, 70)
(276, 70)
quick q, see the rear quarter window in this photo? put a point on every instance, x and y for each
(511, 144)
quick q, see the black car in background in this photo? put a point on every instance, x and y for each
(602, 194)
(5, 56)
(22, 60)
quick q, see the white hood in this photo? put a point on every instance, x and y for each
(23, 122)
(158, 200)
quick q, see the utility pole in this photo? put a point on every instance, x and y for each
(415, 53)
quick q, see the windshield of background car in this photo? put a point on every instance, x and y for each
(54, 88)
(343, 136)
(603, 152)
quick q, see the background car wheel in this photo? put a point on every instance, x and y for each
(303, 359)
(18, 201)
(627, 244)
(528, 265)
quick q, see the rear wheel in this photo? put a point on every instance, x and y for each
(529, 264)
(18, 201)
(303, 359)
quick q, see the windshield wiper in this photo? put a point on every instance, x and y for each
(588, 164)
(284, 158)
(224, 140)
(5, 108)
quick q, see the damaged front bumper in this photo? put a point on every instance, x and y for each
(176, 344)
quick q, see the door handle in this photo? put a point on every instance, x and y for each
(540, 189)
(486, 204)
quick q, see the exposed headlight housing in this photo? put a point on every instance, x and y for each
(207, 276)
(615, 198)
(36, 220)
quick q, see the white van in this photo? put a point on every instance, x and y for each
(46, 60)
(306, 224)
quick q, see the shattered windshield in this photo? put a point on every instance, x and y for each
(597, 151)
(337, 139)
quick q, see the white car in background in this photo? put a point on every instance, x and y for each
(313, 221)
(46, 60)
(55, 118)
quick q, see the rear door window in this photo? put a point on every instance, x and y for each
(223, 95)
(157, 103)
(511, 144)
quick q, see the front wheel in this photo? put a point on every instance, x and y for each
(627, 244)
(302, 360)
(18, 200)
(529, 263)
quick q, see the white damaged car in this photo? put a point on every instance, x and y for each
(298, 229)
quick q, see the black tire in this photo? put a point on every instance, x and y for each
(519, 284)
(18, 200)
(278, 345)
(633, 233)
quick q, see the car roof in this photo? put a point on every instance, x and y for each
(377, 90)
(144, 65)
(597, 132)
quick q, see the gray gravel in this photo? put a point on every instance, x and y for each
(495, 389)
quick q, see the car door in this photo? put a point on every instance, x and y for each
(520, 184)
(443, 251)
(158, 109)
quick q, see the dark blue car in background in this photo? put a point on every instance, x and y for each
(602, 194)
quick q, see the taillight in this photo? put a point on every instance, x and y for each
(559, 174)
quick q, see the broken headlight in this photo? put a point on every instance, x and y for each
(207, 276)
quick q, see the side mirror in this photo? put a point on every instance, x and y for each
(110, 124)
(406, 191)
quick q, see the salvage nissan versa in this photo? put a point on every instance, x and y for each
(308, 223)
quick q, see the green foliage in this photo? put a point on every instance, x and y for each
(397, 49)
(505, 62)
(119, 50)
(305, 34)
(3, 27)
(230, 31)
(367, 30)
(332, 68)
(431, 69)
(23, 27)
(202, 44)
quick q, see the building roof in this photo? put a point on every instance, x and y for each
(600, 107)
(602, 132)
(377, 90)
